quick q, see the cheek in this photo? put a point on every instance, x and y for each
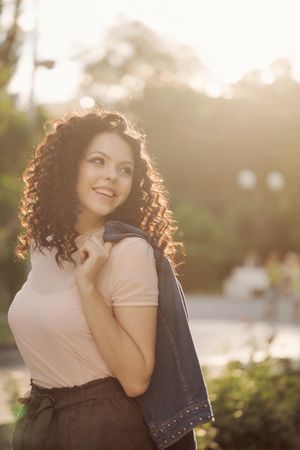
(129, 186)
(126, 189)
(85, 179)
(80, 186)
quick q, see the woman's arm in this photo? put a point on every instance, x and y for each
(127, 342)
(125, 334)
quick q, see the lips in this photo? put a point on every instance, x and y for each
(106, 192)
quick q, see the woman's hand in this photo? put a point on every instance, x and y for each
(93, 255)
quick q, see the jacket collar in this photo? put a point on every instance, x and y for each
(115, 230)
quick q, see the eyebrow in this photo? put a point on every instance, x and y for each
(105, 154)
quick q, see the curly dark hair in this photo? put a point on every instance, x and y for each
(49, 203)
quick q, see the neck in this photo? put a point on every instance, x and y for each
(84, 228)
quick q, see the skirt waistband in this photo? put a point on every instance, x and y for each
(102, 388)
(43, 401)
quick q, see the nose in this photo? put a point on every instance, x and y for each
(111, 173)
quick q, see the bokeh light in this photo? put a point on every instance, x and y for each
(87, 102)
(246, 179)
(275, 181)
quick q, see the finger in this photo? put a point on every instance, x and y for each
(100, 248)
(94, 247)
(108, 246)
(83, 255)
(98, 244)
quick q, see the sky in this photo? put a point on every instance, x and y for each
(230, 37)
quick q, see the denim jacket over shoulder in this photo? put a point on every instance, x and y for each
(176, 400)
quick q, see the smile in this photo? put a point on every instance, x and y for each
(103, 195)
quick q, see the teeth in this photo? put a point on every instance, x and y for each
(103, 191)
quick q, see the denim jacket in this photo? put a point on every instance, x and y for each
(176, 400)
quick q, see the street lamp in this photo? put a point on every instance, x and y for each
(28, 23)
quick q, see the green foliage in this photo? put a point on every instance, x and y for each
(209, 246)
(10, 39)
(203, 231)
(16, 138)
(256, 407)
(200, 145)
(6, 337)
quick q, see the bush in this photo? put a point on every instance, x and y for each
(256, 407)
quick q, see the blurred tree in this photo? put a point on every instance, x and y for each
(9, 39)
(201, 144)
(135, 56)
(16, 140)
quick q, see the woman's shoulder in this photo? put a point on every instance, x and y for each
(132, 243)
(133, 247)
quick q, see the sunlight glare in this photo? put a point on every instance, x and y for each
(58, 84)
(227, 92)
(27, 21)
(213, 89)
(230, 38)
(267, 76)
(87, 102)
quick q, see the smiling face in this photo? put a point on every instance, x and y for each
(104, 180)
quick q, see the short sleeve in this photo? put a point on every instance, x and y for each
(134, 280)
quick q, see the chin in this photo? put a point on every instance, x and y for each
(104, 211)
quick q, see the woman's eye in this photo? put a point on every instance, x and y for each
(128, 170)
(97, 159)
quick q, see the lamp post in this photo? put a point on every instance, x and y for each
(28, 22)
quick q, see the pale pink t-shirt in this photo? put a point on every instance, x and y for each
(47, 318)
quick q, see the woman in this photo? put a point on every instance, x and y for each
(85, 319)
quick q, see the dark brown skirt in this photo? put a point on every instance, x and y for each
(97, 415)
